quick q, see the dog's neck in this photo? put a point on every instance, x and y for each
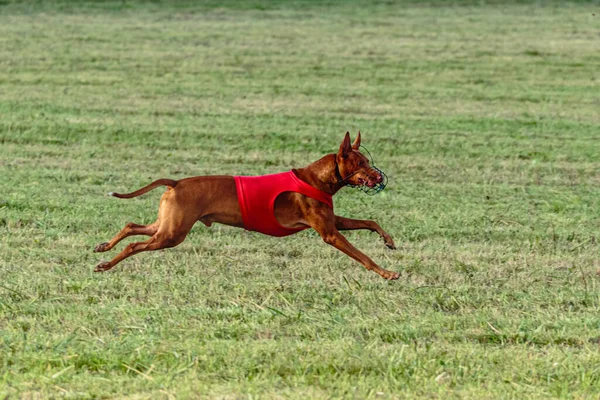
(321, 174)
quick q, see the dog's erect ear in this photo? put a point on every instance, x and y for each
(356, 143)
(345, 147)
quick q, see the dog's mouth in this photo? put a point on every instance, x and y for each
(371, 185)
(366, 182)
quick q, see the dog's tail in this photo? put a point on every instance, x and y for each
(161, 182)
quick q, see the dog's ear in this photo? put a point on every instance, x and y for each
(345, 147)
(356, 143)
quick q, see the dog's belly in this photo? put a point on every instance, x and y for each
(210, 199)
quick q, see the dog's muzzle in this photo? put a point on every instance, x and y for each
(377, 187)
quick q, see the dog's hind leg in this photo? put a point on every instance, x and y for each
(130, 229)
(172, 227)
(156, 242)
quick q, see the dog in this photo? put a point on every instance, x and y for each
(277, 205)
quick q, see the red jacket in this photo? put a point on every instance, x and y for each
(257, 194)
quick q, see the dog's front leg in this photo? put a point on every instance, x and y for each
(348, 224)
(325, 226)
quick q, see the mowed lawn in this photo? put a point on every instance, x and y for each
(485, 117)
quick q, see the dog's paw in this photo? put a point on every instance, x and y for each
(390, 276)
(101, 247)
(103, 266)
(389, 242)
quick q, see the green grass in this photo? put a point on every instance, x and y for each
(486, 117)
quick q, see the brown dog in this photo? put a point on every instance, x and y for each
(212, 199)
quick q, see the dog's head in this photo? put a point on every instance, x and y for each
(356, 169)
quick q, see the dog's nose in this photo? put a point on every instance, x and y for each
(379, 178)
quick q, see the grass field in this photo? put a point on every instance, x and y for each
(485, 117)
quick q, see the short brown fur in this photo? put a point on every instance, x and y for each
(212, 199)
